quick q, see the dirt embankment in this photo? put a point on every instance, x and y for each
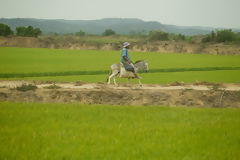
(201, 95)
(162, 46)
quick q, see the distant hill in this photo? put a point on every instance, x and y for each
(121, 26)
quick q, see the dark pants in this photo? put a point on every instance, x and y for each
(128, 67)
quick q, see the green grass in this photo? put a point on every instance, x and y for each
(225, 76)
(74, 131)
(69, 65)
(35, 60)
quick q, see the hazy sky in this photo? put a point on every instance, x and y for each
(213, 13)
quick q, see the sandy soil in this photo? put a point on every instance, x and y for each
(176, 94)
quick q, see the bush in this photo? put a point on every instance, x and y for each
(53, 86)
(179, 37)
(226, 35)
(36, 32)
(28, 32)
(158, 36)
(5, 30)
(26, 87)
(210, 37)
(80, 33)
(108, 32)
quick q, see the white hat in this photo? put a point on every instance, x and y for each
(125, 44)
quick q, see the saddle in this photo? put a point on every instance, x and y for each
(124, 73)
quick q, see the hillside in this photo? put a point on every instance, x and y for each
(121, 26)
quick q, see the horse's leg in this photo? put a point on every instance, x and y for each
(112, 75)
(139, 81)
(109, 78)
(114, 80)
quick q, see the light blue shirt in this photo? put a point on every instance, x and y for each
(124, 53)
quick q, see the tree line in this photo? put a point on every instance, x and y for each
(29, 31)
(226, 35)
(107, 32)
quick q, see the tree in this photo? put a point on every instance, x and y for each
(213, 36)
(80, 33)
(5, 30)
(158, 36)
(210, 37)
(36, 32)
(181, 37)
(28, 32)
(21, 31)
(108, 32)
(226, 35)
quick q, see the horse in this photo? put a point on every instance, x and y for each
(118, 69)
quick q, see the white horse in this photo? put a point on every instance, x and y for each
(118, 68)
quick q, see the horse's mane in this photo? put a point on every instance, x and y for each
(138, 61)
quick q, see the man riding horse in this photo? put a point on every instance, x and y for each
(126, 61)
(126, 69)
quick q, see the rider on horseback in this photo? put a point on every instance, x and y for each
(126, 61)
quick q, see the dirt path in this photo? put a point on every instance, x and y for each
(177, 94)
(82, 85)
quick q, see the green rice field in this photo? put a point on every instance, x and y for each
(74, 131)
(38, 131)
(93, 66)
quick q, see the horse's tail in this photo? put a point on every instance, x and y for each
(110, 72)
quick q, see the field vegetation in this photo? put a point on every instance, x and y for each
(28, 31)
(94, 66)
(218, 42)
(71, 131)
(225, 35)
(80, 131)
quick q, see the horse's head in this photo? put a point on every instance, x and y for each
(142, 65)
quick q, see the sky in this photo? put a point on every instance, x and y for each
(208, 13)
